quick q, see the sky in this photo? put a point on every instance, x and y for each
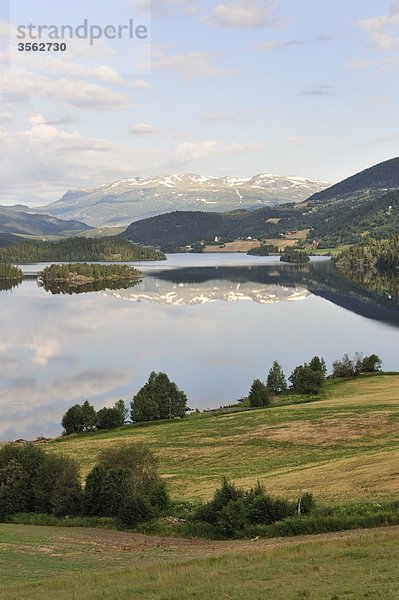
(225, 87)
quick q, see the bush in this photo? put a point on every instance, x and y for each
(32, 481)
(123, 475)
(227, 493)
(134, 510)
(232, 511)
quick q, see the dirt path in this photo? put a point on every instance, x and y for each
(134, 542)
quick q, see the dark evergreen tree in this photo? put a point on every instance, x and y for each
(276, 381)
(259, 394)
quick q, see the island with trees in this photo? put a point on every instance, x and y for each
(77, 274)
(293, 255)
(9, 272)
(79, 250)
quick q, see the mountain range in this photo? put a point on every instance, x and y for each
(123, 202)
(366, 204)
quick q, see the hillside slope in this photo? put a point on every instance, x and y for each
(342, 448)
(383, 177)
(27, 223)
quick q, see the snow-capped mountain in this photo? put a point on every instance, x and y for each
(122, 202)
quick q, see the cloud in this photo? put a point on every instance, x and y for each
(241, 14)
(141, 84)
(319, 90)
(142, 129)
(383, 31)
(377, 100)
(274, 45)
(191, 65)
(189, 151)
(293, 139)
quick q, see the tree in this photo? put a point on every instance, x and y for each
(318, 364)
(307, 381)
(159, 398)
(89, 416)
(110, 418)
(125, 476)
(371, 364)
(344, 367)
(32, 481)
(72, 421)
(79, 418)
(276, 381)
(259, 394)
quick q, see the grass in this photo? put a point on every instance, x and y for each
(42, 563)
(341, 447)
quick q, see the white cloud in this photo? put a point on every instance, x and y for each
(241, 14)
(189, 151)
(141, 84)
(383, 31)
(142, 129)
(293, 139)
(191, 65)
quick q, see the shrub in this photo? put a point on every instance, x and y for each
(134, 510)
(227, 493)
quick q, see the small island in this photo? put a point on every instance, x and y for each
(79, 274)
(10, 273)
(295, 256)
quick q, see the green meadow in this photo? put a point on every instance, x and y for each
(342, 447)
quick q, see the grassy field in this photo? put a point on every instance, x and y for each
(47, 563)
(342, 448)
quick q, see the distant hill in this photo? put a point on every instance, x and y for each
(123, 202)
(28, 223)
(183, 227)
(6, 239)
(381, 177)
(333, 222)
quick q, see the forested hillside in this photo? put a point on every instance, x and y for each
(383, 176)
(338, 221)
(373, 254)
(78, 249)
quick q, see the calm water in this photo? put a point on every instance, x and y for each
(212, 322)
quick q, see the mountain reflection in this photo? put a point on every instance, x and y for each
(375, 297)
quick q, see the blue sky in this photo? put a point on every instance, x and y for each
(290, 87)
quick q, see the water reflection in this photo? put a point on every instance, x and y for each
(212, 329)
(96, 286)
(5, 285)
(374, 298)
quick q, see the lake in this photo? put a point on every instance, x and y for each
(212, 322)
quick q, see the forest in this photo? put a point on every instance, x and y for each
(78, 249)
(382, 255)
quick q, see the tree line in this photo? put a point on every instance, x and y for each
(158, 399)
(78, 249)
(371, 255)
(309, 378)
